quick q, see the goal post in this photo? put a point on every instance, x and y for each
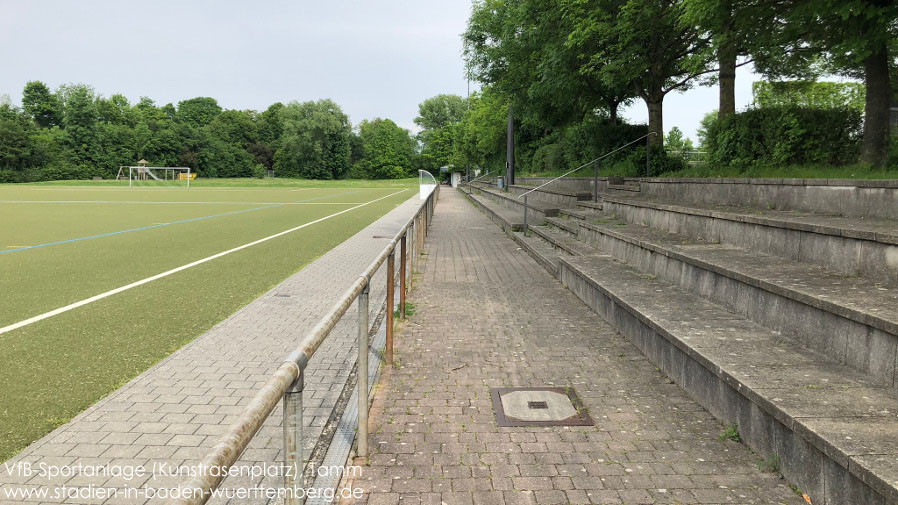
(146, 175)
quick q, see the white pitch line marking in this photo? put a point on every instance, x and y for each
(135, 202)
(86, 301)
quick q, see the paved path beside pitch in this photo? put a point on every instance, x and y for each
(173, 413)
(489, 316)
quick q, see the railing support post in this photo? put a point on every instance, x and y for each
(525, 215)
(362, 373)
(391, 284)
(595, 182)
(648, 156)
(293, 459)
(403, 265)
(411, 250)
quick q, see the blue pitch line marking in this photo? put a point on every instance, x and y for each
(142, 228)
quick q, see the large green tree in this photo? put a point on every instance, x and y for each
(520, 48)
(642, 43)
(40, 104)
(856, 38)
(198, 111)
(80, 121)
(315, 141)
(387, 150)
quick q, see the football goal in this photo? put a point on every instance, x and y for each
(143, 175)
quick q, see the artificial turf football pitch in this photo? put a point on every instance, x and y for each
(78, 315)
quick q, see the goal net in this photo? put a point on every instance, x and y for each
(142, 175)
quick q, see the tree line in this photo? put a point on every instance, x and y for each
(75, 133)
(565, 67)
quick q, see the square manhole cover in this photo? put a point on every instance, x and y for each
(539, 407)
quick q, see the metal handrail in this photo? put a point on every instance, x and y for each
(468, 183)
(287, 381)
(588, 163)
(595, 188)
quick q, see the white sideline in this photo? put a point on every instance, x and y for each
(141, 282)
(138, 202)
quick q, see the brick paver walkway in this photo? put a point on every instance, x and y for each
(489, 316)
(175, 412)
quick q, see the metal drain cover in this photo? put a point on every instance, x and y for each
(547, 406)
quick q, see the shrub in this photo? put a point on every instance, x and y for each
(634, 164)
(785, 136)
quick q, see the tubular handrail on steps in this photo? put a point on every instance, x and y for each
(286, 384)
(468, 183)
(595, 186)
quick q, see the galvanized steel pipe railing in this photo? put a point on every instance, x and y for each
(468, 183)
(595, 183)
(286, 384)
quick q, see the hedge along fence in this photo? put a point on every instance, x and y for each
(786, 136)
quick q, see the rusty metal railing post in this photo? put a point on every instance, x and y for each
(595, 182)
(391, 284)
(403, 266)
(412, 247)
(363, 373)
(525, 215)
(293, 459)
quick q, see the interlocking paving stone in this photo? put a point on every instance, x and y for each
(489, 316)
(175, 412)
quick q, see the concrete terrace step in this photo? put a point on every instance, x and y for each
(591, 205)
(544, 254)
(507, 219)
(561, 240)
(538, 210)
(582, 213)
(850, 320)
(570, 226)
(829, 430)
(549, 194)
(629, 188)
(854, 246)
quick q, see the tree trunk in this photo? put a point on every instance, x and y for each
(726, 56)
(876, 111)
(612, 111)
(656, 120)
(727, 60)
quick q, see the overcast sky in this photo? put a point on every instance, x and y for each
(375, 58)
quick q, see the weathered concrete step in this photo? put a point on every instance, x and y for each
(543, 253)
(630, 188)
(582, 213)
(825, 427)
(538, 210)
(561, 240)
(507, 219)
(570, 226)
(551, 194)
(590, 205)
(853, 246)
(850, 320)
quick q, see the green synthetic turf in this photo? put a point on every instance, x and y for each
(55, 368)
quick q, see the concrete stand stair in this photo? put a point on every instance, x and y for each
(854, 246)
(849, 320)
(548, 194)
(536, 209)
(507, 219)
(824, 426)
(742, 308)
